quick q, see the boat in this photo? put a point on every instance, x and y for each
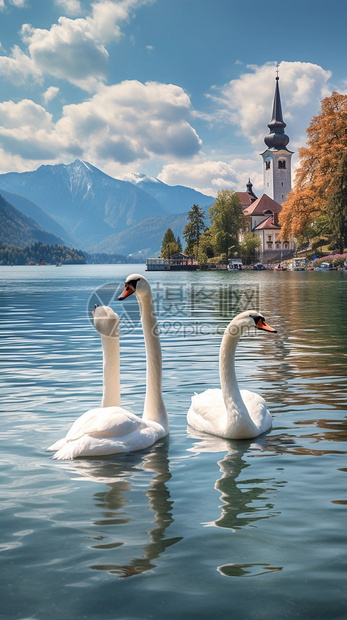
(280, 267)
(259, 267)
(324, 267)
(234, 264)
(299, 264)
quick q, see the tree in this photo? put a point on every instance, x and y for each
(169, 245)
(315, 181)
(249, 247)
(193, 231)
(227, 220)
(206, 246)
(337, 207)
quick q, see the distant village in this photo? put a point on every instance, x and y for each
(260, 214)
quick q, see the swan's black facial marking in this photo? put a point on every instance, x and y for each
(133, 283)
(260, 323)
(129, 289)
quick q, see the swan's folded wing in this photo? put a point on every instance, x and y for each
(113, 422)
(208, 403)
(91, 444)
(207, 411)
(257, 408)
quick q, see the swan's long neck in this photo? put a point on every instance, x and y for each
(154, 408)
(111, 386)
(236, 412)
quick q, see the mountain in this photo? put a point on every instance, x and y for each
(18, 229)
(36, 213)
(174, 198)
(143, 239)
(87, 203)
(90, 209)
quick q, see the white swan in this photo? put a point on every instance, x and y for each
(229, 412)
(112, 430)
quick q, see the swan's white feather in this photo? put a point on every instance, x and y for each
(208, 413)
(108, 430)
(229, 412)
(112, 430)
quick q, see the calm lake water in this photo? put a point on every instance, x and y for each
(195, 527)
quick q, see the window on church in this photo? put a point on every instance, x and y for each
(267, 165)
(282, 183)
(281, 163)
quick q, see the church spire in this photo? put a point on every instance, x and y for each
(277, 139)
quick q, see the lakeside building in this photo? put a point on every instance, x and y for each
(177, 262)
(261, 214)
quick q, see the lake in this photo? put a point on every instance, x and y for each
(196, 526)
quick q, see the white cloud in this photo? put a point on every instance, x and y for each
(19, 4)
(73, 49)
(28, 131)
(210, 175)
(247, 101)
(50, 94)
(67, 51)
(19, 68)
(121, 124)
(132, 121)
(70, 7)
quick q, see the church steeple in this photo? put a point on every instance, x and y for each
(277, 139)
(276, 157)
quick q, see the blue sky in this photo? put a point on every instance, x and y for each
(178, 89)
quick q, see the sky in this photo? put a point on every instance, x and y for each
(181, 90)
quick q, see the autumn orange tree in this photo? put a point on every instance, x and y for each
(317, 203)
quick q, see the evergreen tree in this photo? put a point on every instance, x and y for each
(193, 230)
(169, 245)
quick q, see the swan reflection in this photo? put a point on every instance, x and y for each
(244, 501)
(124, 506)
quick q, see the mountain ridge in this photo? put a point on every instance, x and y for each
(91, 207)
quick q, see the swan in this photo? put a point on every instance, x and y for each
(229, 412)
(112, 429)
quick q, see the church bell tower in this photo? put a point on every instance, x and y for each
(277, 158)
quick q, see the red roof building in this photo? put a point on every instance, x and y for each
(262, 219)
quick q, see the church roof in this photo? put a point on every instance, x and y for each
(267, 224)
(277, 139)
(245, 198)
(261, 205)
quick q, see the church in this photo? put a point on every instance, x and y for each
(261, 214)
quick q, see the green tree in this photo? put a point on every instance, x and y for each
(249, 247)
(193, 231)
(206, 246)
(227, 220)
(337, 207)
(169, 245)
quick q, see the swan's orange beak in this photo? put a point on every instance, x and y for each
(128, 290)
(262, 325)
